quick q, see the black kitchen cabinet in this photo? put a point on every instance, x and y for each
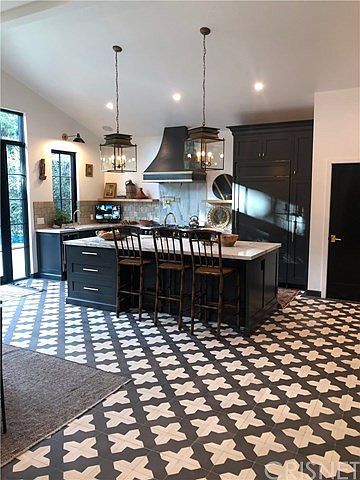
(91, 277)
(272, 191)
(51, 252)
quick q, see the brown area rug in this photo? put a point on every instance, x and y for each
(286, 295)
(44, 393)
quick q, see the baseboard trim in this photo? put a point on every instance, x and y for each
(313, 293)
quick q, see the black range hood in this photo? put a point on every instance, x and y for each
(168, 165)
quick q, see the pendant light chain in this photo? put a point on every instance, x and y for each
(204, 82)
(117, 91)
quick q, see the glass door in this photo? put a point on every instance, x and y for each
(14, 262)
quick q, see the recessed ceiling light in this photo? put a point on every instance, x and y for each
(110, 105)
(259, 86)
(176, 97)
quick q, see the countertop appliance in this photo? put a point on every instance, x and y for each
(107, 212)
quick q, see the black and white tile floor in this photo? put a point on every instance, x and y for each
(282, 405)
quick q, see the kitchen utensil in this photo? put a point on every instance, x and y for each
(194, 221)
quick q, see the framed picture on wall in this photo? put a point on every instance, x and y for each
(110, 190)
(89, 170)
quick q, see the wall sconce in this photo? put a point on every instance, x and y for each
(76, 137)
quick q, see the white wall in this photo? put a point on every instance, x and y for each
(148, 147)
(336, 140)
(44, 125)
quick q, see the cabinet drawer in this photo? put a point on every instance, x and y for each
(90, 271)
(91, 290)
(91, 256)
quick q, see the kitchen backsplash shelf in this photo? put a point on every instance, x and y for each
(218, 202)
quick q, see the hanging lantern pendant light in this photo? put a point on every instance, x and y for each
(118, 154)
(203, 148)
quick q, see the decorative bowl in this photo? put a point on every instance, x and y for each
(228, 239)
(148, 223)
(108, 235)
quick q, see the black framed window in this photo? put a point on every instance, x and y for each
(64, 181)
(14, 245)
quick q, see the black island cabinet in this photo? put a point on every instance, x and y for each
(92, 276)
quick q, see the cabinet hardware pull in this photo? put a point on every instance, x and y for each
(259, 155)
(334, 239)
(91, 288)
(263, 154)
(90, 270)
(89, 253)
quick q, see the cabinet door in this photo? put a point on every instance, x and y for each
(278, 147)
(261, 213)
(247, 148)
(300, 196)
(49, 254)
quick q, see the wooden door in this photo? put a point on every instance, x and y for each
(343, 277)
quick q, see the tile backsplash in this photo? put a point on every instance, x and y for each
(182, 199)
(46, 211)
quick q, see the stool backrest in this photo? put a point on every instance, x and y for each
(168, 245)
(127, 241)
(205, 247)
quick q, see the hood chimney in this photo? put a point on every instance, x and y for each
(169, 165)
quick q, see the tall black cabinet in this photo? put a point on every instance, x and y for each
(272, 191)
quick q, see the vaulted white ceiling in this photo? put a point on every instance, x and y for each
(62, 50)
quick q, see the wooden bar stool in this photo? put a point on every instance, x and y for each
(206, 255)
(129, 253)
(169, 255)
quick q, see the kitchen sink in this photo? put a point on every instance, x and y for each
(70, 227)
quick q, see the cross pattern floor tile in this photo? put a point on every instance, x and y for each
(279, 403)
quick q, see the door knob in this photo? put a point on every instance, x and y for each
(334, 239)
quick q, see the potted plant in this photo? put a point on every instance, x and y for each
(61, 217)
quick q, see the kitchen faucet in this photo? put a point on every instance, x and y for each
(167, 216)
(73, 217)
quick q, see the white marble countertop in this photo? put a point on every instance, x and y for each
(78, 228)
(240, 251)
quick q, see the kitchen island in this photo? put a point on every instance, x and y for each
(91, 267)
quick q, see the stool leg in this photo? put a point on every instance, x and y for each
(192, 304)
(201, 310)
(181, 301)
(118, 284)
(220, 304)
(157, 292)
(238, 300)
(169, 275)
(206, 300)
(141, 289)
